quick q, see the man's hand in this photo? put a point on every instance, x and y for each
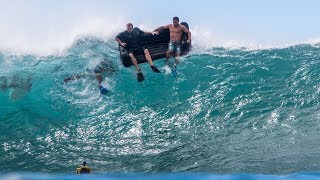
(188, 41)
(155, 33)
(123, 44)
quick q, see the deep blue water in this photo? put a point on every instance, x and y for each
(228, 111)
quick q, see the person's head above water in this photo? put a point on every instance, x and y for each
(129, 27)
(175, 21)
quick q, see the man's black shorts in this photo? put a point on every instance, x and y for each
(136, 50)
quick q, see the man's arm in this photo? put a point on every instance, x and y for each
(147, 32)
(162, 27)
(120, 42)
(153, 32)
(184, 29)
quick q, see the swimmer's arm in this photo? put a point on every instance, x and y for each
(73, 78)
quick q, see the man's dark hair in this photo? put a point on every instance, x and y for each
(130, 24)
(176, 18)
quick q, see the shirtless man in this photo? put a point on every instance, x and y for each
(176, 30)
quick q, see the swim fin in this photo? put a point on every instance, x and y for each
(103, 90)
(155, 69)
(140, 76)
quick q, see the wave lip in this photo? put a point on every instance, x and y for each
(46, 41)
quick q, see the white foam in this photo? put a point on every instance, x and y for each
(313, 41)
(27, 30)
(167, 70)
(205, 38)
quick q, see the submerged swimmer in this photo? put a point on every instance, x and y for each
(18, 86)
(104, 66)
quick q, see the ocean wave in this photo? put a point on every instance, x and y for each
(228, 110)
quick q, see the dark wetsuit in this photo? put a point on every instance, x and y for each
(104, 66)
(132, 40)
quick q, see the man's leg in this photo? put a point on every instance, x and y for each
(168, 55)
(149, 59)
(97, 71)
(134, 62)
(178, 53)
(177, 48)
(177, 59)
(102, 89)
(99, 78)
(148, 56)
(169, 52)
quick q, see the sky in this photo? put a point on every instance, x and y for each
(46, 26)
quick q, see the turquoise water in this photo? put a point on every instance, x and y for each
(184, 176)
(227, 111)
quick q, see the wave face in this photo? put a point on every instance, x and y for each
(227, 111)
